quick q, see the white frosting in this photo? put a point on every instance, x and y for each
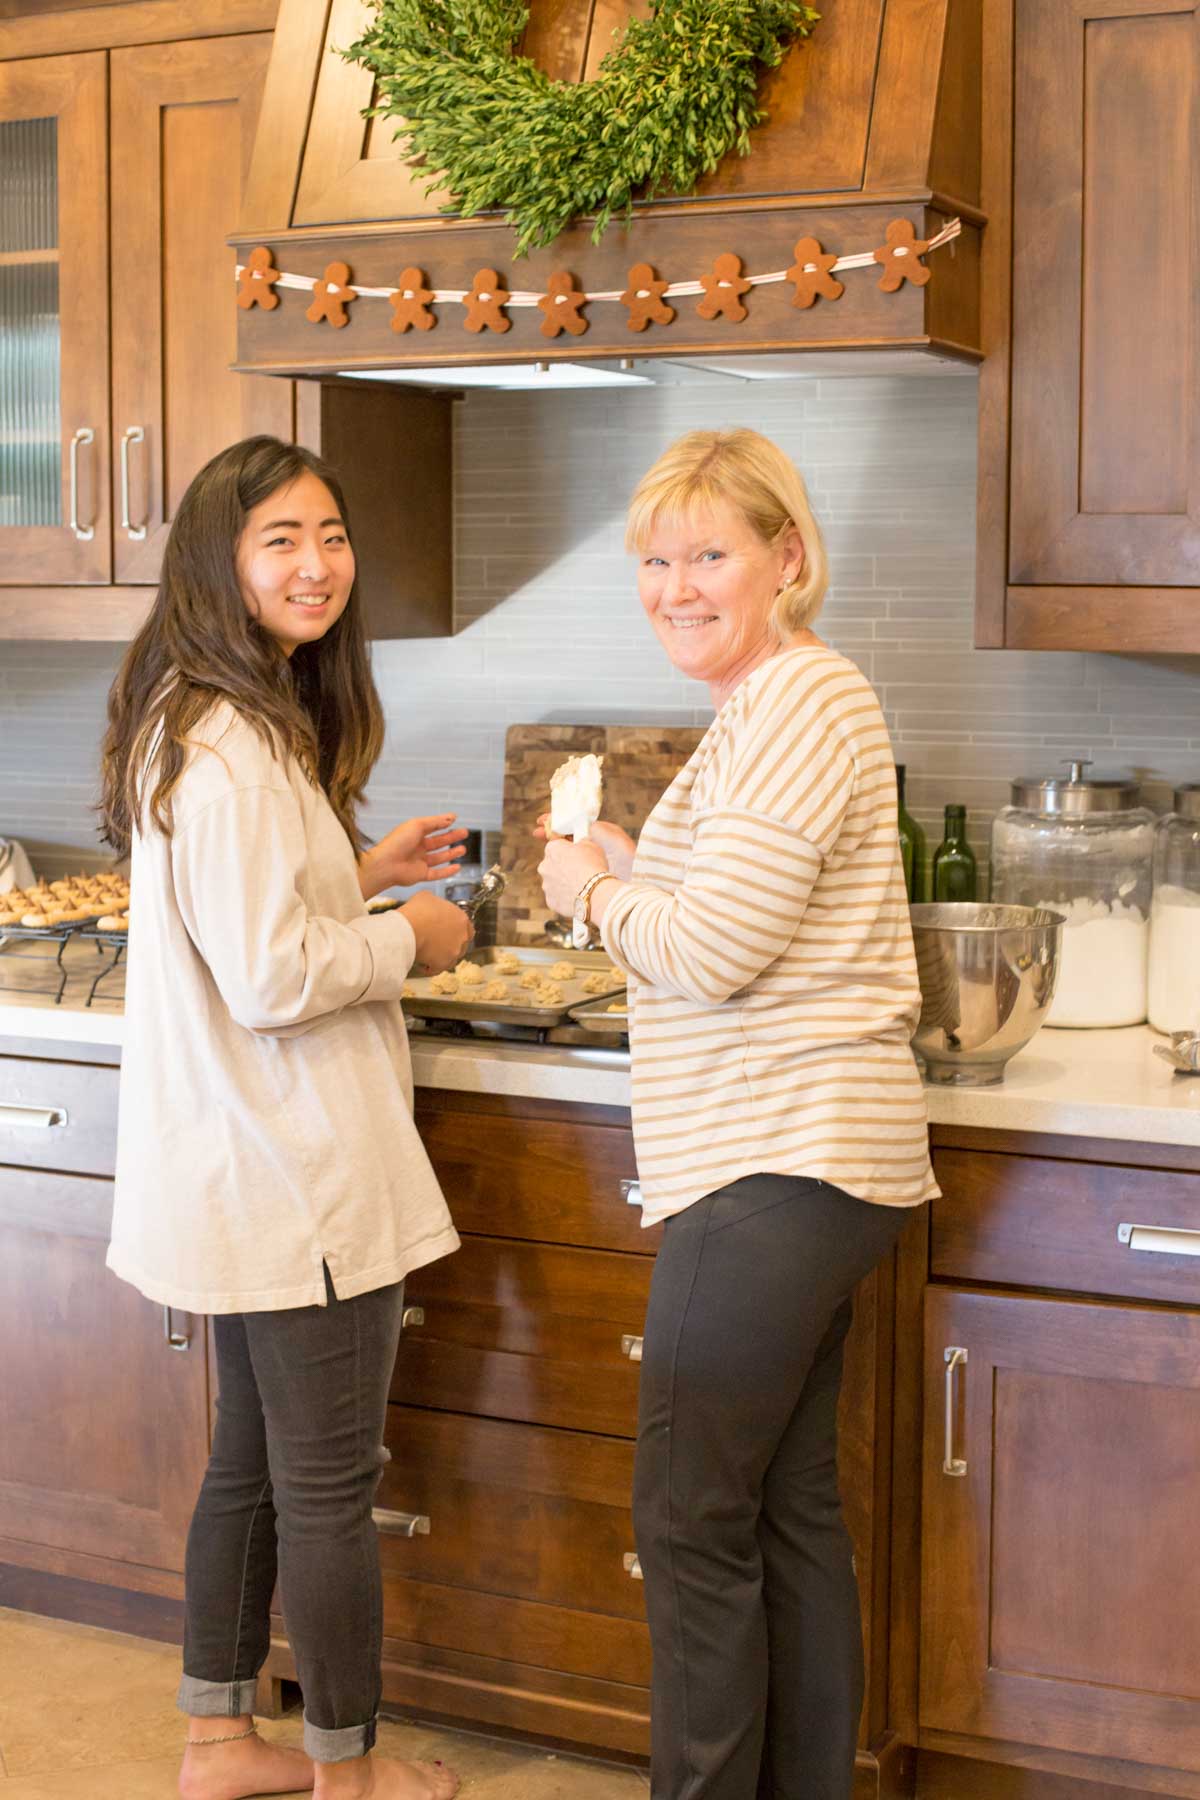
(1175, 959)
(575, 796)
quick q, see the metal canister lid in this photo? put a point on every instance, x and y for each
(1075, 792)
(1187, 800)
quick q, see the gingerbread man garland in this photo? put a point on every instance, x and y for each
(256, 283)
(331, 296)
(899, 257)
(723, 290)
(561, 303)
(644, 298)
(411, 301)
(485, 301)
(811, 274)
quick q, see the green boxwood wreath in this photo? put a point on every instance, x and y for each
(674, 95)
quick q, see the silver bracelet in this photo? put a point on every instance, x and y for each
(235, 1737)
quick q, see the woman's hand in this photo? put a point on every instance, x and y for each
(418, 850)
(564, 868)
(618, 847)
(442, 930)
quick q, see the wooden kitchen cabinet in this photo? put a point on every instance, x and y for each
(183, 118)
(1089, 519)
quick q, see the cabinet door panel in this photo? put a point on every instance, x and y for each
(182, 130)
(54, 321)
(1106, 293)
(1060, 1592)
(105, 1425)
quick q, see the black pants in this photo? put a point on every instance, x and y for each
(296, 1459)
(751, 1594)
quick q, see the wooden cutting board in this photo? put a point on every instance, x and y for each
(640, 761)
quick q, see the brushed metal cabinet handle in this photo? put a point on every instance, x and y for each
(412, 1315)
(400, 1524)
(134, 434)
(631, 1191)
(632, 1566)
(41, 1117)
(951, 1464)
(1168, 1240)
(177, 1340)
(632, 1347)
(85, 435)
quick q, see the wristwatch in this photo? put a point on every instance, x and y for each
(582, 910)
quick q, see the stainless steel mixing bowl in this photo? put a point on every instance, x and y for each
(987, 979)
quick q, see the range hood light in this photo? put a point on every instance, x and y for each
(540, 375)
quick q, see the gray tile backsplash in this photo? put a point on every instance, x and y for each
(549, 627)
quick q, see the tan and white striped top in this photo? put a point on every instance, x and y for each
(773, 986)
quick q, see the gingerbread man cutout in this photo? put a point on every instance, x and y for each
(256, 283)
(561, 303)
(485, 301)
(332, 295)
(644, 298)
(811, 274)
(723, 290)
(410, 302)
(899, 257)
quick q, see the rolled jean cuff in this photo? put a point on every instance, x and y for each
(216, 1699)
(338, 1746)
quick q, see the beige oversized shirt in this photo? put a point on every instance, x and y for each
(266, 1090)
(773, 985)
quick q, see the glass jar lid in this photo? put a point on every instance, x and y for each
(1075, 793)
(1187, 800)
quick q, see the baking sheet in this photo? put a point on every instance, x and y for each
(423, 1003)
(594, 1016)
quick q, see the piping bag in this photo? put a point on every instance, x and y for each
(574, 808)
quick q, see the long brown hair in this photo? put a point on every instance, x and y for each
(200, 645)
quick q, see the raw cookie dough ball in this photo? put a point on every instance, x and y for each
(548, 993)
(617, 975)
(495, 990)
(507, 963)
(562, 971)
(597, 982)
(618, 1006)
(445, 984)
(531, 978)
(408, 991)
(470, 974)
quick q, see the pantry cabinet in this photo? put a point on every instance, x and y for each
(1089, 496)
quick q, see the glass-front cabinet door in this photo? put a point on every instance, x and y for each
(54, 322)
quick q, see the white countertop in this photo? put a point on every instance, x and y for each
(1104, 1084)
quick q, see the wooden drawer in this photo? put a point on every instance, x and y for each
(1037, 1222)
(81, 1135)
(553, 1180)
(515, 1512)
(532, 1332)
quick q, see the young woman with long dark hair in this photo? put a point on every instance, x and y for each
(268, 1169)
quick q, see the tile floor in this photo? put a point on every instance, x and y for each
(90, 1715)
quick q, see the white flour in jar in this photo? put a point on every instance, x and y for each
(1101, 964)
(1175, 960)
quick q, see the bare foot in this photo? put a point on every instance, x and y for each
(367, 1778)
(236, 1771)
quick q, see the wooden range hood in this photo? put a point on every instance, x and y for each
(875, 117)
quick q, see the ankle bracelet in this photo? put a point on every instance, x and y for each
(235, 1737)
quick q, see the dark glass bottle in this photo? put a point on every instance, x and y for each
(912, 843)
(953, 861)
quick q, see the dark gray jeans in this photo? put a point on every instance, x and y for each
(296, 1459)
(751, 1594)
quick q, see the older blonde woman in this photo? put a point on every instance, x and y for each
(778, 1116)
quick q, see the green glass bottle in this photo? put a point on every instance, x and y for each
(953, 861)
(912, 843)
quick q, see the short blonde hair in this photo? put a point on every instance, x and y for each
(744, 470)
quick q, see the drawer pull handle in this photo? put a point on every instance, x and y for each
(177, 1340)
(400, 1524)
(632, 1347)
(631, 1191)
(632, 1566)
(134, 434)
(42, 1117)
(951, 1464)
(412, 1315)
(1168, 1240)
(85, 435)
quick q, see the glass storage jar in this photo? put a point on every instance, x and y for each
(1082, 846)
(1175, 916)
